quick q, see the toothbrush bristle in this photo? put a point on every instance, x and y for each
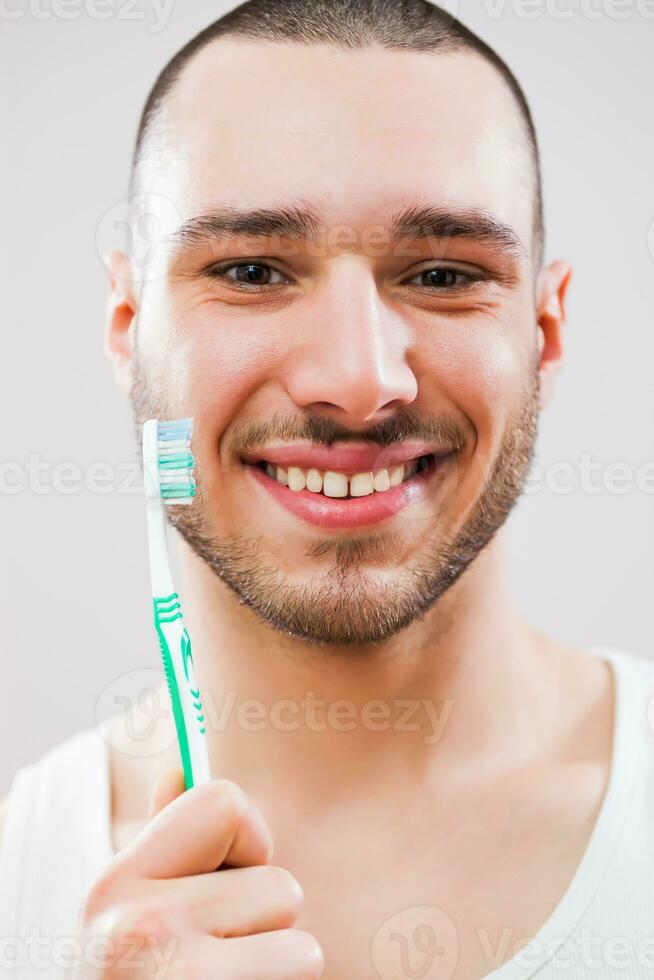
(176, 461)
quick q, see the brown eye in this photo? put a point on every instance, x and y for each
(442, 278)
(256, 274)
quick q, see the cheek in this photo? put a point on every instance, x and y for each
(204, 362)
(221, 365)
(479, 366)
(224, 363)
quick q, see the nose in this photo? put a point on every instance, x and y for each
(351, 356)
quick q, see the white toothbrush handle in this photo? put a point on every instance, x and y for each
(176, 655)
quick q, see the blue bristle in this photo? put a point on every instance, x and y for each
(178, 429)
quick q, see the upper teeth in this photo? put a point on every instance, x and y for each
(338, 484)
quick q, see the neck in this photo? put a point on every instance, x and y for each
(450, 695)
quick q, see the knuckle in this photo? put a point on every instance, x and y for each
(229, 798)
(307, 956)
(186, 968)
(284, 884)
(99, 898)
(140, 922)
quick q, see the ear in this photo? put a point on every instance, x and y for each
(120, 322)
(550, 315)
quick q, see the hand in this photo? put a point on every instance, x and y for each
(194, 896)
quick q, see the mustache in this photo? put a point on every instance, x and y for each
(406, 423)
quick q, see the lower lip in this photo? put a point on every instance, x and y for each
(349, 512)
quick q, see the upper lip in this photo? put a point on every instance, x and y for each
(344, 457)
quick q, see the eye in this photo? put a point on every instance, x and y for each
(445, 278)
(254, 276)
(248, 275)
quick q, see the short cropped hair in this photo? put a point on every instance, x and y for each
(399, 25)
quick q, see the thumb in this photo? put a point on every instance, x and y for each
(169, 785)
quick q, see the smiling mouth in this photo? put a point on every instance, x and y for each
(337, 484)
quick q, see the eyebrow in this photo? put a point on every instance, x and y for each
(414, 222)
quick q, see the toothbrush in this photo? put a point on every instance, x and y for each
(168, 470)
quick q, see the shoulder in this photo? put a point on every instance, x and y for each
(4, 806)
(633, 743)
(634, 672)
(76, 761)
(633, 676)
(623, 655)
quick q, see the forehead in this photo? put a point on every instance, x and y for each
(354, 132)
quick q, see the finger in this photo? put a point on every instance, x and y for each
(233, 902)
(167, 787)
(209, 825)
(287, 954)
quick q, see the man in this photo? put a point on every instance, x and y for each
(352, 304)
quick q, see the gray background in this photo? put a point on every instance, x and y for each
(74, 574)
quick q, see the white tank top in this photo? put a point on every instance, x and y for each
(57, 839)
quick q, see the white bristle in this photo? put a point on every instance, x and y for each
(174, 476)
(168, 448)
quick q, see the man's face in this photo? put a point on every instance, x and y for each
(409, 364)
